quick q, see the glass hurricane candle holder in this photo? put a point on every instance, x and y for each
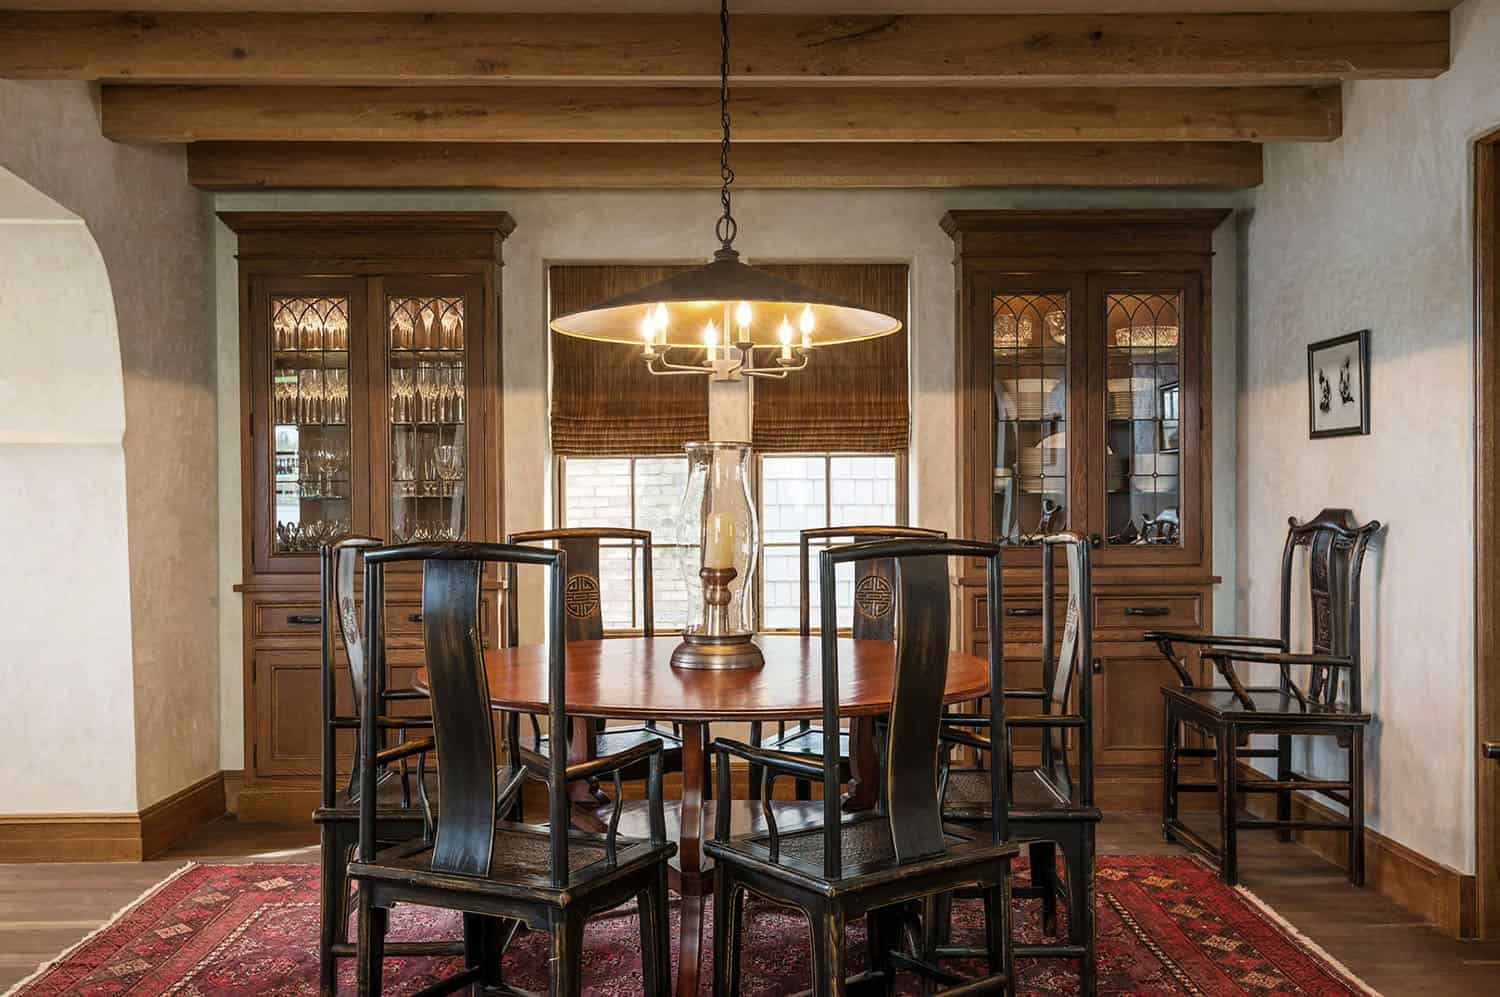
(719, 530)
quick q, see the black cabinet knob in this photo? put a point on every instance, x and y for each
(304, 618)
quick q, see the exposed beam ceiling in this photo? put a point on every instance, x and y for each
(690, 114)
(345, 165)
(931, 50)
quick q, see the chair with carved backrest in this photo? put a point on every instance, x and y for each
(873, 619)
(1326, 703)
(498, 872)
(877, 863)
(400, 814)
(1051, 804)
(584, 620)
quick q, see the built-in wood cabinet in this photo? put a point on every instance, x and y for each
(370, 396)
(1083, 398)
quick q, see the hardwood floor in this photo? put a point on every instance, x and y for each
(46, 908)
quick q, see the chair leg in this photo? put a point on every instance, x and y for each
(567, 955)
(1169, 767)
(1078, 854)
(999, 932)
(729, 918)
(828, 974)
(333, 903)
(1228, 800)
(1357, 806)
(937, 923)
(656, 960)
(1284, 796)
(372, 925)
(1044, 876)
(883, 936)
(757, 734)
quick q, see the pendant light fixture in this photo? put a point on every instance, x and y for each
(743, 321)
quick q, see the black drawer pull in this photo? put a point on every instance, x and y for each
(414, 618)
(1147, 611)
(1024, 611)
(304, 618)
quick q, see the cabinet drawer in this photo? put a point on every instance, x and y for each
(288, 619)
(1148, 612)
(404, 619)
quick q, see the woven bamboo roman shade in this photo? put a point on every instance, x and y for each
(852, 397)
(604, 401)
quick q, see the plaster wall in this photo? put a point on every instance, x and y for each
(152, 231)
(1375, 231)
(782, 226)
(65, 652)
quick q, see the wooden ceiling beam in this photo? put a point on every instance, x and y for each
(354, 165)
(644, 49)
(690, 114)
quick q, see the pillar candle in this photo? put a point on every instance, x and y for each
(718, 541)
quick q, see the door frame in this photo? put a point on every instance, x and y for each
(1487, 528)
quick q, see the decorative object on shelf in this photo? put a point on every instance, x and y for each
(303, 538)
(726, 310)
(1012, 332)
(1046, 526)
(1123, 392)
(310, 324)
(1169, 406)
(718, 518)
(1056, 321)
(1147, 336)
(1338, 386)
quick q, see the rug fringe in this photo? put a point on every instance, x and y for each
(1270, 914)
(147, 894)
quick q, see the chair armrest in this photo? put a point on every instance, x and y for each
(1257, 657)
(780, 761)
(384, 723)
(404, 750)
(1220, 640)
(616, 762)
(401, 694)
(965, 720)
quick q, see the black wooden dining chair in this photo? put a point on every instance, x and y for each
(402, 811)
(584, 620)
(1051, 804)
(873, 619)
(878, 863)
(498, 872)
(1326, 703)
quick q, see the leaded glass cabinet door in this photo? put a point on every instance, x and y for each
(1145, 479)
(307, 434)
(430, 471)
(1028, 352)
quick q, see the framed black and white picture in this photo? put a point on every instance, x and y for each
(1338, 386)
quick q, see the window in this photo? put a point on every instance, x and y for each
(641, 493)
(802, 491)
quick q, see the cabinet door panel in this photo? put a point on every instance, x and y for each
(1128, 706)
(306, 437)
(1144, 465)
(427, 403)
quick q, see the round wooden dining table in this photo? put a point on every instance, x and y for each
(632, 678)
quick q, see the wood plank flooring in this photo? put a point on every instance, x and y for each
(46, 908)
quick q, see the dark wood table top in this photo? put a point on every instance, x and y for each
(633, 678)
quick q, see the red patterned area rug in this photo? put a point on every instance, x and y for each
(1166, 926)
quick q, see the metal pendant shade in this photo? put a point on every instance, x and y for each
(701, 295)
(727, 307)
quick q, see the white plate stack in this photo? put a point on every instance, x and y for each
(1030, 395)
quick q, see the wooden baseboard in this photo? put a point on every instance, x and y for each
(120, 837)
(1437, 892)
(181, 813)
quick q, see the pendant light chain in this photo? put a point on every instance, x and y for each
(727, 228)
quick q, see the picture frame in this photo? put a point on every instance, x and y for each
(1338, 386)
(1169, 405)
